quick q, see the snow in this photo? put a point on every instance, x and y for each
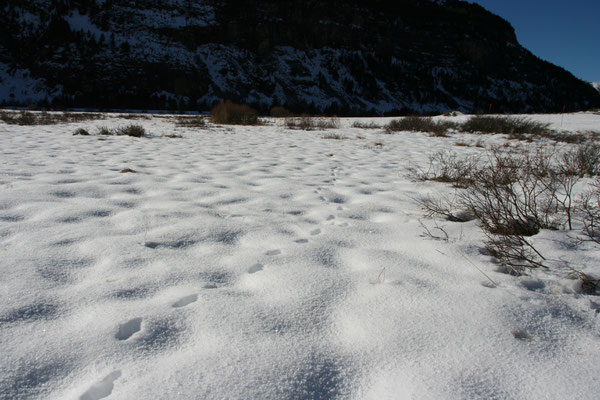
(18, 86)
(262, 263)
(78, 22)
(596, 85)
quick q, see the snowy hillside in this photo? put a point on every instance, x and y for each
(366, 58)
(264, 263)
(596, 85)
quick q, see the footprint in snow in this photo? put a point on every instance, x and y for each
(255, 268)
(301, 241)
(331, 217)
(103, 388)
(273, 252)
(127, 329)
(315, 232)
(184, 301)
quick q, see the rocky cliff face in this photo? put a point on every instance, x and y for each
(345, 57)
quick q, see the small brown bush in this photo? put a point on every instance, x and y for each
(447, 167)
(104, 131)
(582, 160)
(131, 130)
(228, 113)
(81, 132)
(421, 124)
(196, 121)
(505, 125)
(45, 118)
(365, 125)
(308, 123)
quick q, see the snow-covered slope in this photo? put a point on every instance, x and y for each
(262, 263)
(596, 85)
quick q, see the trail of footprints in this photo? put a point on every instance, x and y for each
(130, 328)
(317, 231)
(125, 331)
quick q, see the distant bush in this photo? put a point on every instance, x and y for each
(104, 131)
(21, 118)
(81, 132)
(229, 113)
(365, 125)
(196, 121)
(44, 117)
(584, 159)
(505, 125)
(131, 130)
(308, 123)
(333, 136)
(280, 112)
(447, 167)
(573, 137)
(420, 124)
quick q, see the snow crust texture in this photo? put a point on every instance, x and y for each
(262, 263)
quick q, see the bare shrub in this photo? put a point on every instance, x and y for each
(308, 123)
(327, 123)
(45, 118)
(131, 130)
(448, 167)
(589, 285)
(365, 125)
(514, 252)
(134, 116)
(420, 124)
(81, 132)
(334, 136)
(229, 113)
(513, 194)
(104, 131)
(21, 118)
(590, 206)
(303, 122)
(195, 121)
(584, 159)
(505, 125)
(448, 208)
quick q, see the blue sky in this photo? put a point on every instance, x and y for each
(565, 32)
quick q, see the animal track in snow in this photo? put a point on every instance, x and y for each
(127, 329)
(184, 301)
(255, 268)
(315, 232)
(103, 388)
(273, 252)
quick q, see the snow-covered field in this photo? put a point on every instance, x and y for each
(264, 263)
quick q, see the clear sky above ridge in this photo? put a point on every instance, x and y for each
(564, 32)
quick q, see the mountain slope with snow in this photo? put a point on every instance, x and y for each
(363, 58)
